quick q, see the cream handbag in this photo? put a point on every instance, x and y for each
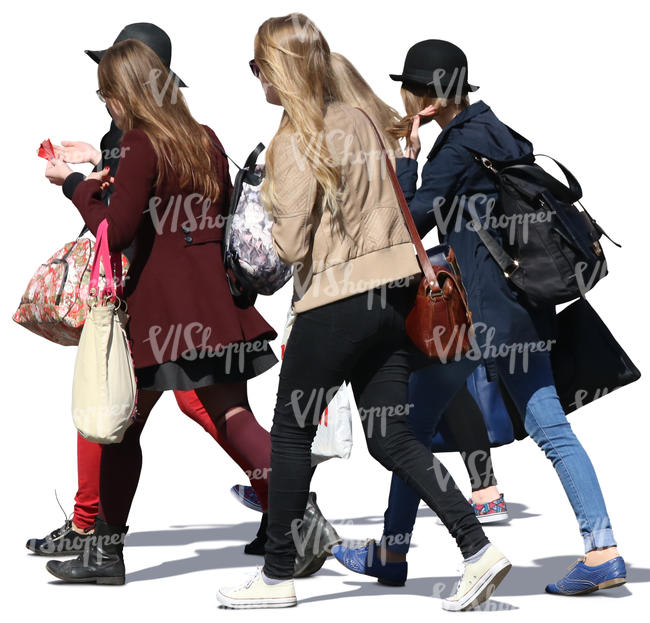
(104, 385)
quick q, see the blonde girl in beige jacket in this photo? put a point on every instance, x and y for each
(338, 222)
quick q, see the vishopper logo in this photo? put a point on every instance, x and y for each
(303, 32)
(443, 590)
(487, 349)
(581, 397)
(191, 342)
(259, 473)
(315, 404)
(441, 76)
(371, 415)
(587, 281)
(96, 545)
(114, 153)
(159, 91)
(314, 537)
(343, 149)
(466, 213)
(471, 458)
(179, 206)
(306, 276)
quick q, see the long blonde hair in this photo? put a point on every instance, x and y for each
(294, 58)
(417, 97)
(355, 91)
(132, 75)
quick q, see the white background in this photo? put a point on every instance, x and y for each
(571, 76)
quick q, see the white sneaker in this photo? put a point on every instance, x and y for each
(256, 593)
(479, 580)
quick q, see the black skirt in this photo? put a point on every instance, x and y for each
(235, 363)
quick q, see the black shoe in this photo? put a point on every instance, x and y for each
(101, 562)
(318, 537)
(63, 541)
(256, 546)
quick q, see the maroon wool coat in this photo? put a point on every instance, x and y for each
(176, 289)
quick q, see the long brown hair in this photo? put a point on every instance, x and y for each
(294, 57)
(355, 91)
(417, 97)
(133, 76)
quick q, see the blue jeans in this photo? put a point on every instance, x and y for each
(533, 392)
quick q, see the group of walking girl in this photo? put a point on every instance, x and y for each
(337, 221)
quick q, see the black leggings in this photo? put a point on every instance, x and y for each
(467, 426)
(360, 339)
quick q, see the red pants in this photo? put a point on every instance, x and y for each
(89, 458)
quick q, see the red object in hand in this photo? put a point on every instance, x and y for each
(46, 150)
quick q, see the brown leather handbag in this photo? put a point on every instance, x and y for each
(440, 322)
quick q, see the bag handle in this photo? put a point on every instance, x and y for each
(570, 193)
(112, 267)
(422, 256)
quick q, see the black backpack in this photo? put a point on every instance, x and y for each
(551, 250)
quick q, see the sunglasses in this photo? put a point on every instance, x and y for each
(100, 95)
(254, 68)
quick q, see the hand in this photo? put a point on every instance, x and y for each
(56, 171)
(413, 145)
(104, 176)
(77, 152)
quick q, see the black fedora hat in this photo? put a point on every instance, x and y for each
(438, 64)
(149, 34)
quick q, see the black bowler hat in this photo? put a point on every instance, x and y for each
(438, 64)
(149, 34)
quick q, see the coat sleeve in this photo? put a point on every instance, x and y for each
(295, 189)
(441, 176)
(134, 180)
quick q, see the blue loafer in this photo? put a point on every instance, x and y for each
(582, 579)
(366, 560)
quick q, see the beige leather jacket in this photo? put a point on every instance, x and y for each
(368, 245)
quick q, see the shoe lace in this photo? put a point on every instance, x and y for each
(575, 562)
(460, 571)
(68, 518)
(252, 576)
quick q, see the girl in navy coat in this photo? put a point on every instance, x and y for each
(511, 335)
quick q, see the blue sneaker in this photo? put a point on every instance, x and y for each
(582, 579)
(247, 496)
(357, 558)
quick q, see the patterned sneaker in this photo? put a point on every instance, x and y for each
(582, 579)
(496, 510)
(256, 593)
(479, 580)
(487, 513)
(246, 495)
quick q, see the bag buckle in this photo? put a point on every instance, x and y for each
(511, 269)
(487, 163)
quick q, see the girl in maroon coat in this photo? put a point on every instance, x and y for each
(171, 193)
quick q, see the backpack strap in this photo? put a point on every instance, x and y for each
(506, 263)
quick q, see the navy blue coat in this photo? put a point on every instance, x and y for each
(501, 315)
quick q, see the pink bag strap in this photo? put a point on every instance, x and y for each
(112, 267)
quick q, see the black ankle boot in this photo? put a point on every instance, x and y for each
(102, 560)
(256, 546)
(318, 537)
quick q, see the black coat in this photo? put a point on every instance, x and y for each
(502, 317)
